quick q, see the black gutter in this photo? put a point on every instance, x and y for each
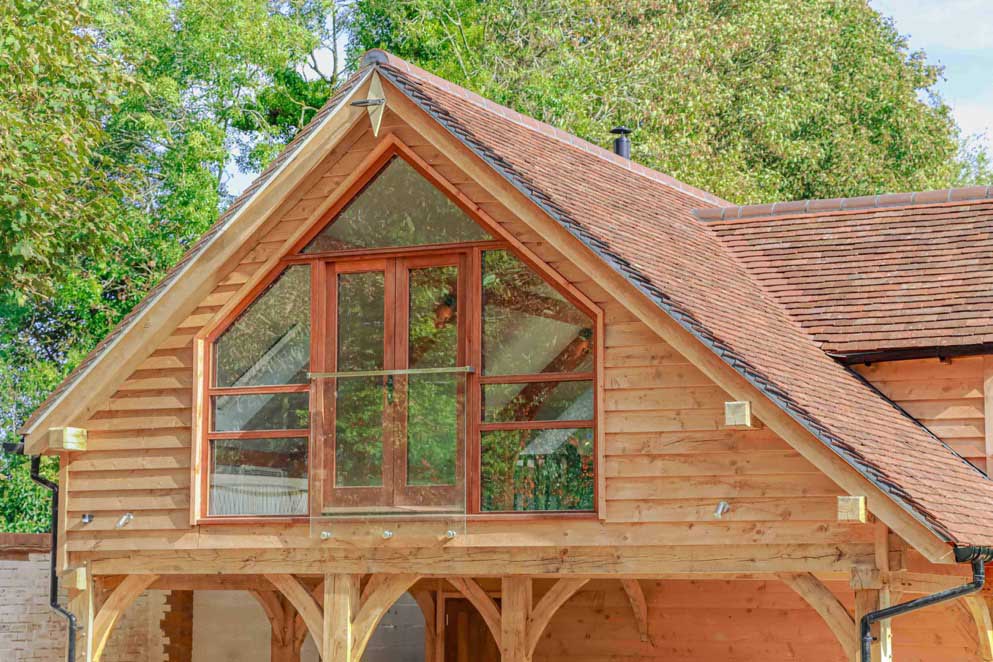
(909, 353)
(977, 556)
(53, 577)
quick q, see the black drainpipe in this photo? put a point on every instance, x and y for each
(53, 577)
(977, 556)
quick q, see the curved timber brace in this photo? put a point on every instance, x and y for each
(977, 556)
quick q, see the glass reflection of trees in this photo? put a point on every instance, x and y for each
(257, 440)
(536, 441)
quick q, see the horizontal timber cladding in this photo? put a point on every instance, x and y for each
(667, 458)
(720, 621)
(950, 397)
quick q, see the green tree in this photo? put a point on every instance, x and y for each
(161, 100)
(757, 100)
(57, 183)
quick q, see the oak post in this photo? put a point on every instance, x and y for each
(868, 600)
(516, 611)
(341, 593)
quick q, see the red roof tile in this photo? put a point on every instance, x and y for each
(643, 226)
(882, 279)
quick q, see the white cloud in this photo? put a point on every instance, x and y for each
(951, 24)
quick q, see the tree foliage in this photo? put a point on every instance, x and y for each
(757, 101)
(121, 121)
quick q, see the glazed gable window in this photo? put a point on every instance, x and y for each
(402, 361)
(259, 409)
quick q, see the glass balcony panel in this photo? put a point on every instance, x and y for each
(537, 470)
(398, 452)
(359, 429)
(434, 404)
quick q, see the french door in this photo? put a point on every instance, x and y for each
(394, 406)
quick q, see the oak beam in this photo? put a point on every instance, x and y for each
(639, 606)
(429, 609)
(825, 603)
(869, 600)
(581, 561)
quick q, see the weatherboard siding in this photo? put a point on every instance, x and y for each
(668, 458)
(946, 396)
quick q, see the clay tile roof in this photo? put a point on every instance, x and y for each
(643, 226)
(907, 273)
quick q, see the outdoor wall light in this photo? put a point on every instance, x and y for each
(450, 534)
(124, 520)
(722, 508)
(86, 518)
(387, 534)
(325, 535)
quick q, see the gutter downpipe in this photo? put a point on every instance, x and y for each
(977, 556)
(53, 579)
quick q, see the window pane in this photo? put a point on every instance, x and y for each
(258, 477)
(358, 449)
(270, 411)
(398, 208)
(269, 343)
(528, 327)
(432, 428)
(361, 321)
(538, 401)
(529, 470)
(433, 328)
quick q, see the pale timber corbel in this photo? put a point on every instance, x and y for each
(825, 603)
(979, 611)
(110, 611)
(636, 596)
(301, 599)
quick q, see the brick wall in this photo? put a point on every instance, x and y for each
(31, 632)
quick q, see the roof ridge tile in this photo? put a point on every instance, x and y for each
(790, 208)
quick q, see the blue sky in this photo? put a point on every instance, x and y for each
(957, 34)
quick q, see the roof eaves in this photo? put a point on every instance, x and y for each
(682, 316)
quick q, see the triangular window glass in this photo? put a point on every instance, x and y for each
(398, 207)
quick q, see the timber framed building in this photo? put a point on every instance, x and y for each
(586, 411)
